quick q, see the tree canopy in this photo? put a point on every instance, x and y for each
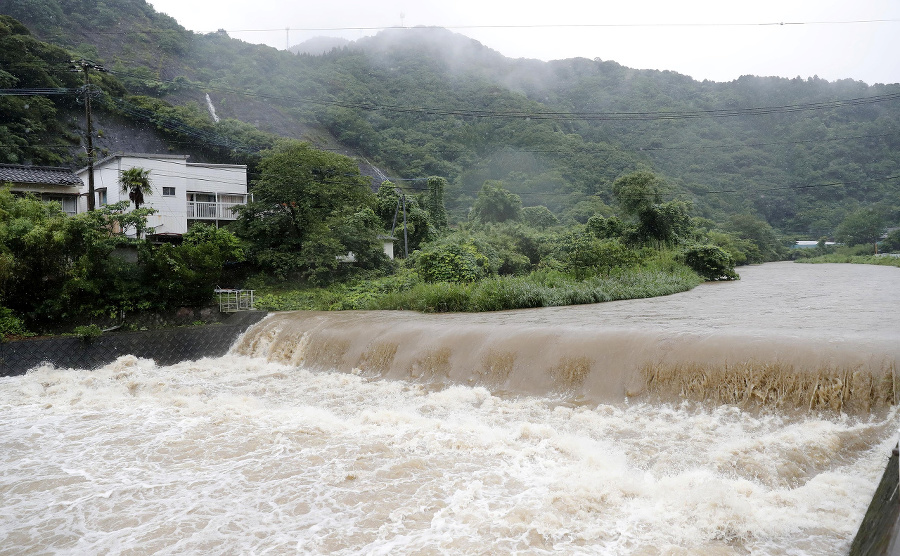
(304, 202)
(495, 203)
(861, 227)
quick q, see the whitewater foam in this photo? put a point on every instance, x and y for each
(243, 455)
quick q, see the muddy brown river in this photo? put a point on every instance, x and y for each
(751, 417)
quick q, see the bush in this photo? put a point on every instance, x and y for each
(710, 262)
(454, 259)
(187, 274)
(88, 333)
(11, 325)
(583, 255)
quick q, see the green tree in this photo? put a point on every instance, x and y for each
(387, 205)
(53, 266)
(710, 262)
(665, 223)
(187, 274)
(415, 225)
(637, 192)
(861, 227)
(434, 202)
(891, 243)
(539, 217)
(605, 228)
(761, 234)
(301, 202)
(584, 255)
(640, 196)
(496, 204)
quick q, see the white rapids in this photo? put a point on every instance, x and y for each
(239, 455)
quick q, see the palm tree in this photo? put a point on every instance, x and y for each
(136, 182)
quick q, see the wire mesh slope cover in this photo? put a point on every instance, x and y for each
(166, 347)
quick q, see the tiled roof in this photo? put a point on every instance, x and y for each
(45, 175)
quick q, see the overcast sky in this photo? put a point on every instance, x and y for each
(718, 40)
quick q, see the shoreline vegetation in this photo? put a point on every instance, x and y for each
(538, 289)
(890, 259)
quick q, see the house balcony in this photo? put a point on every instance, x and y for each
(211, 210)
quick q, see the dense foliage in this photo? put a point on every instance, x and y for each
(311, 209)
(55, 267)
(28, 124)
(428, 102)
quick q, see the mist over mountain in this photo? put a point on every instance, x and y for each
(800, 153)
(318, 45)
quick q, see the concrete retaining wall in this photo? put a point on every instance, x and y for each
(878, 534)
(163, 346)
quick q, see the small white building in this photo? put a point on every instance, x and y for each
(182, 192)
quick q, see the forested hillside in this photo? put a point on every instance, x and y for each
(800, 153)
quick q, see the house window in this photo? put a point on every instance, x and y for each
(101, 197)
(68, 203)
(168, 191)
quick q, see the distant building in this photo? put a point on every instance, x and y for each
(182, 192)
(46, 182)
(807, 244)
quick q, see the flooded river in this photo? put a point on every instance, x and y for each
(746, 417)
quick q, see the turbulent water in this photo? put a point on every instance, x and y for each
(569, 430)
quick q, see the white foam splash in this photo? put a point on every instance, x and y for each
(241, 455)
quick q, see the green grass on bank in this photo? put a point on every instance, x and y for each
(545, 288)
(884, 260)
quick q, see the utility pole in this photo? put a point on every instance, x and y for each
(86, 67)
(402, 200)
(405, 241)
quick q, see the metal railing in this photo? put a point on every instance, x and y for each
(232, 301)
(210, 210)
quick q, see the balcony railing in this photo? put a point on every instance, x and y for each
(202, 210)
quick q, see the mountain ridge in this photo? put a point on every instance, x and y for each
(425, 101)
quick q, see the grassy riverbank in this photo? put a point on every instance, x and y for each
(883, 260)
(544, 288)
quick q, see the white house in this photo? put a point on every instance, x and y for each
(182, 192)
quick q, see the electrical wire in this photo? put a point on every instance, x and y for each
(553, 115)
(524, 26)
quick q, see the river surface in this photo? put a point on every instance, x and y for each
(530, 432)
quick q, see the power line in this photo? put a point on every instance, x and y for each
(38, 91)
(529, 26)
(580, 149)
(587, 116)
(807, 186)
(555, 115)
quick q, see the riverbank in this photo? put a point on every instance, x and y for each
(890, 259)
(405, 291)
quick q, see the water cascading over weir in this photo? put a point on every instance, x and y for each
(817, 345)
(580, 359)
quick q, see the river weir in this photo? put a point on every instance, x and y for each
(746, 417)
